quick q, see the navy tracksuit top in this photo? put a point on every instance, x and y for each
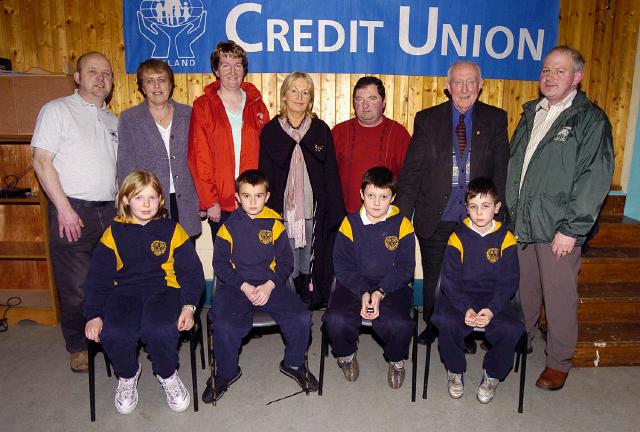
(252, 250)
(380, 255)
(130, 255)
(479, 272)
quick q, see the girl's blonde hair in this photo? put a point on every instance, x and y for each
(132, 185)
(288, 83)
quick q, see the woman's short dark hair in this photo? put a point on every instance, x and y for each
(154, 66)
(228, 49)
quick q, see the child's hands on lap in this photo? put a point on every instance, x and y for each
(185, 320)
(370, 306)
(263, 292)
(249, 290)
(93, 328)
(484, 317)
(470, 318)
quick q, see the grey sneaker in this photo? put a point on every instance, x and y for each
(455, 384)
(126, 398)
(396, 373)
(178, 397)
(350, 369)
(487, 388)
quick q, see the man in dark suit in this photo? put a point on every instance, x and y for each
(452, 143)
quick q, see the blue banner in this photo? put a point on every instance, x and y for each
(402, 37)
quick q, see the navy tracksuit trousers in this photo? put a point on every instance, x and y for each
(232, 318)
(142, 313)
(503, 333)
(393, 326)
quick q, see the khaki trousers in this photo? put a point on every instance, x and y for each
(545, 279)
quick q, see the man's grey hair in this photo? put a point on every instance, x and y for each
(576, 58)
(461, 62)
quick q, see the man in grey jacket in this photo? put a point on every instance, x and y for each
(560, 171)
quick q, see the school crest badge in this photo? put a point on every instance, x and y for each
(492, 255)
(158, 247)
(391, 243)
(265, 236)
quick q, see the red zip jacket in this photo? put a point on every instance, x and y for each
(211, 155)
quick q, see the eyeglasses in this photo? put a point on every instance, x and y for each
(152, 82)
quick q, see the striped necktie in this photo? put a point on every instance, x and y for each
(461, 134)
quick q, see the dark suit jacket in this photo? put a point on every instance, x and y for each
(141, 147)
(425, 179)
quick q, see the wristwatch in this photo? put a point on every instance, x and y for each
(192, 308)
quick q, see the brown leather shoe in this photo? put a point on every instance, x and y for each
(551, 379)
(79, 362)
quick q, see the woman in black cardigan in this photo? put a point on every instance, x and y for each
(298, 157)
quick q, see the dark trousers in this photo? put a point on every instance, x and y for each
(70, 262)
(394, 326)
(502, 333)
(142, 313)
(432, 251)
(232, 318)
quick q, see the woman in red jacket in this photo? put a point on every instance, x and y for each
(224, 135)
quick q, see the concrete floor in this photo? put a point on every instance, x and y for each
(39, 393)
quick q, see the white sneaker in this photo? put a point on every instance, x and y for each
(126, 398)
(177, 395)
(455, 384)
(487, 388)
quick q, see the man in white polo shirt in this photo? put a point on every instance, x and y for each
(75, 143)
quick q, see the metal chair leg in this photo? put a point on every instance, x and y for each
(414, 356)
(518, 351)
(92, 380)
(523, 372)
(194, 379)
(212, 359)
(200, 338)
(427, 361)
(323, 354)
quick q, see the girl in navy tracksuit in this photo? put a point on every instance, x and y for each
(143, 285)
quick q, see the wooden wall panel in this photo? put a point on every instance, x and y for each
(52, 33)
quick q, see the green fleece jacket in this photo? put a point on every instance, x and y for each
(568, 177)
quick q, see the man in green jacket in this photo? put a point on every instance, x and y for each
(560, 171)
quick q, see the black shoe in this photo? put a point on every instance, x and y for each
(422, 337)
(209, 395)
(298, 375)
(470, 345)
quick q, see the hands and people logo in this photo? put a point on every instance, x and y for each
(172, 26)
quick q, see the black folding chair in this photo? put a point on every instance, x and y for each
(324, 350)
(195, 337)
(261, 320)
(521, 350)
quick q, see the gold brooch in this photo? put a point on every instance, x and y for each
(492, 255)
(391, 243)
(265, 236)
(158, 247)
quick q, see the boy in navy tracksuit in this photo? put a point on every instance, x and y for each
(374, 261)
(253, 260)
(144, 282)
(480, 275)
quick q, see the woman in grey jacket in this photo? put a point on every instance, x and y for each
(153, 136)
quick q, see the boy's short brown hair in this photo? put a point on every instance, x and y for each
(253, 177)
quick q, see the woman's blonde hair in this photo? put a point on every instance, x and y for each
(132, 185)
(288, 83)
